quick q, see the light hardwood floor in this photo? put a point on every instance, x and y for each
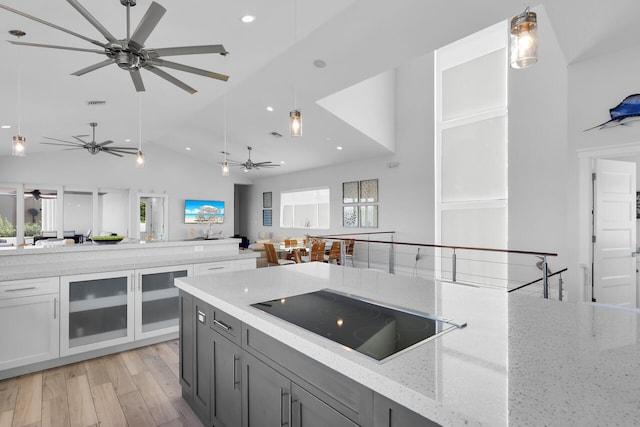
(135, 388)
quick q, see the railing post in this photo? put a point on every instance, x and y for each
(343, 252)
(545, 281)
(368, 251)
(453, 266)
(392, 268)
(560, 287)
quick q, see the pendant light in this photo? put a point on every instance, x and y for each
(523, 40)
(18, 143)
(295, 116)
(140, 153)
(225, 164)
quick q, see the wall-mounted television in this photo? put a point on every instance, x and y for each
(203, 212)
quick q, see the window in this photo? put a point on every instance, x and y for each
(305, 209)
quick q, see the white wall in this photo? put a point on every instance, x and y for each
(405, 191)
(165, 172)
(538, 152)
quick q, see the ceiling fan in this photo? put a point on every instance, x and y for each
(92, 147)
(129, 53)
(36, 194)
(249, 164)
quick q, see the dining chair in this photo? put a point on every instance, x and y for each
(317, 252)
(334, 253)
(348, 250)
(296, 256)
(272, 256)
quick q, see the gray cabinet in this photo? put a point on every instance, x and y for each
(266, 394)
(202, 361)
(226, 391)
(309, 411)
(387, 413)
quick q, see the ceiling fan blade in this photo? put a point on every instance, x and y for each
(93, 67)
(188, 69)
(102, 144)
(62, 140)
(78, 138)
(51, 46)
(93, 21)
(112, 153)
(186, 50)
(136, 77)
(123, 149)
(71, 144)
(146, 25)
(170, 78)
(57, 27)
(260, 165)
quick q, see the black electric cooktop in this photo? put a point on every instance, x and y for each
(371, 328)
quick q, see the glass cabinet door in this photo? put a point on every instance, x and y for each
(157, 308)
(97, 311)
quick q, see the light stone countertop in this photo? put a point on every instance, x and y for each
(520, 361)
(80, 259)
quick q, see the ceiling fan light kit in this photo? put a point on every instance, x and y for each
(130, 53)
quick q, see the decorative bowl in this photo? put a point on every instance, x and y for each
(107, 240)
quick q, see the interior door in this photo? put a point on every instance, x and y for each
(614, 266)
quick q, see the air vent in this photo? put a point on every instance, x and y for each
(275, 134)
(96, 102)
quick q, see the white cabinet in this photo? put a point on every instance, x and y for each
(156, 300)
(29, 321)
(97, 311)
(223, 266)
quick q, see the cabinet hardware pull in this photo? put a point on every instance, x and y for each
(55, 308)
(20, 289)
(235, 382)
(216, 268)
(202, 318)
(291, 409)
(282, 394)
(222, 325)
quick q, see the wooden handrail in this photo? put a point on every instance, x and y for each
(510, 251)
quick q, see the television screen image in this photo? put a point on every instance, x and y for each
(203, 212)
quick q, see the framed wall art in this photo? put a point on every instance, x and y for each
(267, 217)
(350, 192)
(369, 216)
(267, 200)
(369, 191)
(349, 216)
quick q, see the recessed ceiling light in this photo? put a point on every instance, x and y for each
(319, 63)
(187, 148)
(338, 148)
(6, 126)
(248, 19)
(282, 162)
(269, 108)
(127, 140)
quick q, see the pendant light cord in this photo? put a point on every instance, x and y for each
(225, 128)
(140, 123)
(295, 65)
(19, 90)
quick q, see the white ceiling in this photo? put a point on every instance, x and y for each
(357, 39)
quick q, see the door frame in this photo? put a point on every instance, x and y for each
(586, 159)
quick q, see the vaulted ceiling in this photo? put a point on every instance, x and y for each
(271, 62)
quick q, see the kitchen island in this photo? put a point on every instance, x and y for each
(519, 361)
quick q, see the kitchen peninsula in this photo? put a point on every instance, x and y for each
(72, 302)
(519, 361)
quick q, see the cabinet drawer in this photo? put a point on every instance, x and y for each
(246, 264)
(213, 267)
(226, 325)
(29, 287)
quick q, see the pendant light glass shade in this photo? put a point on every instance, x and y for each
(18, 146)
(140, 159)
(225, 168)
(296, 123)
(523, 40)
